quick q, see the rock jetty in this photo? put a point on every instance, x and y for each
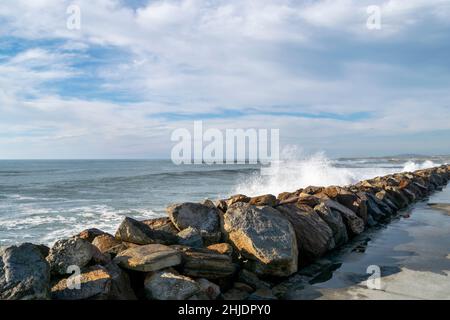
(232, 249)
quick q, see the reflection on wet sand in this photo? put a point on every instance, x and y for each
(412, 253)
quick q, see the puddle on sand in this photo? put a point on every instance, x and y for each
(412, 252)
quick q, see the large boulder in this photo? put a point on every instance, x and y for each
(70, 252)
(134, 231)
(93, 281)
(199, 216)
(90, 234)
(354, 224)
(168, 285)
(264, 237)
(314, 236)
(264, 200)
(148, 258)
(334, 220)
(161, 224)
(107, 243)
(205, 263)
(24, 273)
(400, 200)
(209, 290)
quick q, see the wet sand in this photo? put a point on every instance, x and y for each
(412, 253)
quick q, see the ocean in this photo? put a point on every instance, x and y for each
(45, 200)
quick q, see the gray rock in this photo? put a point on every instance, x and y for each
(252, 280)
(262, 294)
(314, 236)
(264, 237)
(334, 220)
(166, 285)
(69, 252)
(205, 263)
(134, 231)
(196, 215)
(210, 290)
(148, 258)
(24, 273)
(190, 237)
(353, 223)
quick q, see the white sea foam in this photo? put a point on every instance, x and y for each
(295, 170)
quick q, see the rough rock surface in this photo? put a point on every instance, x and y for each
(264, 237)
(314, 236)
(148, 258)
(194, 215)
(191, 237)
(334, 220)
(70, 252)
(165, 285)
(205, 263)
(93, 281)
(134, 231)
(354, 224)
(24, 273)
(161, 224)
(106, 243)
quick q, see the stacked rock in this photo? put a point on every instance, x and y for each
(235, 248)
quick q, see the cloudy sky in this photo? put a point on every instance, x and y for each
(137, 70)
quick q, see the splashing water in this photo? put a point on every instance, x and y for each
(296, 170)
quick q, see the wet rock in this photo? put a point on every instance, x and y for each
(190, 237)
(148, 258)
(307, 199)
(353, 223)
(264, 200)
(243, 287)
(161, 224)
(205, 263)
(384, 196)
(24, 273)
(90, 234)
(222, 248)
(137, 232)
(201, 217)
(165, 285)
(399, 199)
(314, 236)
(313, 190)
(221, 205)
(264, 237)
(211, 291)
(252, 280)
(334, 220)
(70, 252)
(235, 294)
(93, 281)
(262, 294)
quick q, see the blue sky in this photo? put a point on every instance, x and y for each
(137, 70)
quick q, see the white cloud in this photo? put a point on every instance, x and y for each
(195, 56)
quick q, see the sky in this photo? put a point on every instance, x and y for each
(135, 71)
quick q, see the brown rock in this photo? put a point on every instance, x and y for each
(264, 237)
(314, 236)
(165, 285)
(90, 234)
(353, 223)
(264, 200)
(105, 242)
(222, 248)
(205, 263)
(334, 220)
(161, 224)
(148, 258)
